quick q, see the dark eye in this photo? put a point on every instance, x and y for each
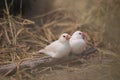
(64, 36)
(80, 33)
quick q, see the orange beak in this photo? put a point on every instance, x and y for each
(68, 37)
(83, 34)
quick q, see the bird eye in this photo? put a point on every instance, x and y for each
(80, 33)
(63, 36)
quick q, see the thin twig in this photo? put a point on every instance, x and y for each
(21, 8)
(9, 20)
(45, 14)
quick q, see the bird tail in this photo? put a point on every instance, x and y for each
(51, 54)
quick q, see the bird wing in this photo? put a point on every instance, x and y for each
(51, 49)
(53, 46)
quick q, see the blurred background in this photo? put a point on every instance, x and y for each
(29, 25)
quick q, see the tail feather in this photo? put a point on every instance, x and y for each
(51, 54)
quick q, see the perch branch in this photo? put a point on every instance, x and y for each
(10, 69)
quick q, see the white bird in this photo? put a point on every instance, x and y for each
(58, 48)
(77, 42)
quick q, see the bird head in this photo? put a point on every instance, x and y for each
(64, 37)
(79, 34)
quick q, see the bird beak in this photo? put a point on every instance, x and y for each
(83, 34)
(68, 37)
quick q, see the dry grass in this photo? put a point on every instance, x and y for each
(20, 38)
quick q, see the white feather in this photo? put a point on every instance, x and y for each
(58, 48)
(77, 43)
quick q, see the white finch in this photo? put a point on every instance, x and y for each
(58, 48)
(77, 42)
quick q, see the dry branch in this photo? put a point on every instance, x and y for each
(10, 69)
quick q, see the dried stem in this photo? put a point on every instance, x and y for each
(21, 8)
(12, 29)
